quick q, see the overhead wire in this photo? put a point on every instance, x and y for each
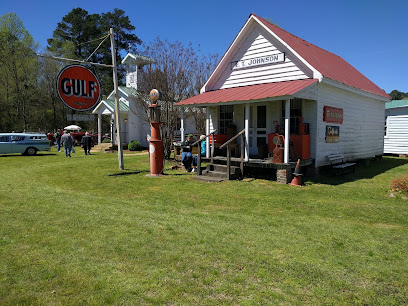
(97, 47)
(87, 42)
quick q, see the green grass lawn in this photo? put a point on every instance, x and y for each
(73, 231)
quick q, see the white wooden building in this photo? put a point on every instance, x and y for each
(396, 127)
(133, 117)
(269, 76)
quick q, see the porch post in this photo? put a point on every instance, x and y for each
(113, 127)
(99, 128)
(182, 124)
(207, 131)
(287, 130)
(247, 132)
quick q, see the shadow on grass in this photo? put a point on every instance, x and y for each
(362, 171)
(132, 172)
(32, 156)
(128, 173)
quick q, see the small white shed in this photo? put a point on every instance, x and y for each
(396, 127)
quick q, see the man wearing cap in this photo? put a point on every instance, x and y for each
(186, 155)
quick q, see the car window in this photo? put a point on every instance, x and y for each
(4, 139)
(17, 138)
(37, 137)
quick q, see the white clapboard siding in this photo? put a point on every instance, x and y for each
(362, 130)
(138, 123)
(396, 140)
(259, 43)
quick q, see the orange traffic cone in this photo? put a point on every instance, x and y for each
(296, 181)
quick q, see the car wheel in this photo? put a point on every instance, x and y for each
(31, 151)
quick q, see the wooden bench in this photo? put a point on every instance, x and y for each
(339, 165)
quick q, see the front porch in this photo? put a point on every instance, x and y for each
(283, 170)
(276, 123)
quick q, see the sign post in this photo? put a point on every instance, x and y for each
(80, 91)
(117, 111)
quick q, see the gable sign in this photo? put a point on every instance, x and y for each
(275, 58)
(78, 87)
(332, 114)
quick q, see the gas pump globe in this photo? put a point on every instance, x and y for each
(154, 108)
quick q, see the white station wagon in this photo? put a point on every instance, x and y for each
(24, 143)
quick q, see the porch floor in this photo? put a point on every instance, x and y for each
(259, 163)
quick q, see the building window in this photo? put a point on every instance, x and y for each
(226, 118)
(295, 114)
(386, 127)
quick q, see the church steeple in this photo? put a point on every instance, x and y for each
(133, 64)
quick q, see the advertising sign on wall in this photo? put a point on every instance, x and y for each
(78, 87)
(332, 114)
(332, 133)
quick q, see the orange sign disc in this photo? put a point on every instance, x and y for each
(78, 87)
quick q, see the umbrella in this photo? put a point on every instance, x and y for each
(72, 128)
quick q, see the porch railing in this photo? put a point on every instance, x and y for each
(228, 145)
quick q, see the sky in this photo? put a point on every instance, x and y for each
(372, 35)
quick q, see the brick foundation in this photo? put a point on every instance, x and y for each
(284, 176)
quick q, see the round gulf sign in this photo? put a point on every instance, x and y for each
(78, 87)
(154, 95)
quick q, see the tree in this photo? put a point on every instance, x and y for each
(73, 33)
(18, 74)
(398, 95)
(79, 34)
(123, 29)
(179, 73)
(55, 111)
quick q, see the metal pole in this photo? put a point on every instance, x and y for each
(207, 132)
(287, 131)
(247, 114)
(115, 88)
(182, 124)
(74, 61)
(229, 161)
(99, 128)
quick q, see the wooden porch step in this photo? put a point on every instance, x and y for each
(220, 172)
(223, 168)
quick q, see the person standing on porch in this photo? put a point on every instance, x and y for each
(87, 143)
(203, 150)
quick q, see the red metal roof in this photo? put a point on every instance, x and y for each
(328, 64)
(247, 93)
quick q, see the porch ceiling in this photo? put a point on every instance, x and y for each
(248, 93)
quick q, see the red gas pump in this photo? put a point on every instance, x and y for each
(156, 143)
(278, 152)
